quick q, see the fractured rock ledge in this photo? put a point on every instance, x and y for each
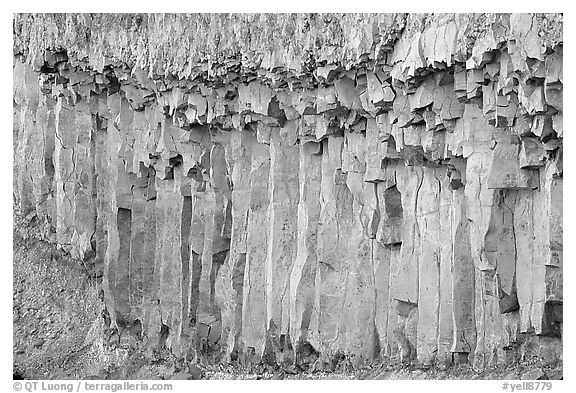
(303, 188)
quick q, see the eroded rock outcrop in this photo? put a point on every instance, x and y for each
(354, 187)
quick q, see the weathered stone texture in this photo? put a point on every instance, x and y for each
(380, 186)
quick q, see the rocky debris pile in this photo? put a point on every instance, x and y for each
(385, 371)
(395, 195)
(56, 308)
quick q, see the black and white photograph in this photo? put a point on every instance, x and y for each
(286, 196)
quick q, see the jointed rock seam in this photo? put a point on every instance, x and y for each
(302, 188)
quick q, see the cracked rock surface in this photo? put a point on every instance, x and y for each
(303, 190)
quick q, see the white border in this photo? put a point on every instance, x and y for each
(288, 6)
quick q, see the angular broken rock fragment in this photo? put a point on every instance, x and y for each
(391, 213)
(531, 154)
(404, 332)
(474, 83)
(346, 91)
(532, 98)
(505, 170)
(379, 90)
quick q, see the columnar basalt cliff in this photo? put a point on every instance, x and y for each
(303, 188)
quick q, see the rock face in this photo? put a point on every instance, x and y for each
(335, 187)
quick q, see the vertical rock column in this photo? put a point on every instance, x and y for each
(117, 209)
(387, 262)
(212, 205)
(429, 258)
(358, 326)
(240, 159)
(254, 289)
(143, 243)
(34, 122)
(479, 199)
(446, 304)
(282, 237)
(143, 227)
(84, 195)
(74, 171)
(463, 283)
(524, 227)
(220, 174)
(102, 169)
(333, 234)
(547, 289)
(168, 259)
(108, 144)
(27, 163)
(303, 295)
(405, 284)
